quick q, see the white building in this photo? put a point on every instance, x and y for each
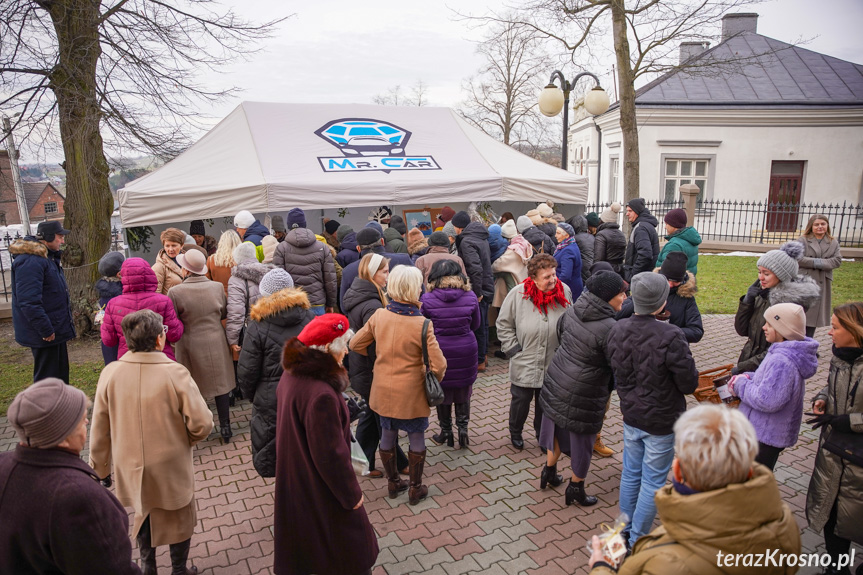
(786, 125)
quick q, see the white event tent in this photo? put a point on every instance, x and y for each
(270, 157)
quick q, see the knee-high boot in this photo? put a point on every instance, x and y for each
(179, 556)
(444, 416)
(148, 553)
(462, 417)
(418, 491)
(395, 484)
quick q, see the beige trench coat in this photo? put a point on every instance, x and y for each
(168, 273)
(201, 306)
(148, 413)
(819, 260)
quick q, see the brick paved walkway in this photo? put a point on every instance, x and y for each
(484, 514)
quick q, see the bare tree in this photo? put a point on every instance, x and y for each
(395, 97)
(129, 70)
(501, 98)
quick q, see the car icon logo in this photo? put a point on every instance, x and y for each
(365, 137)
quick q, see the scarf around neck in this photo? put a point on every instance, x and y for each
(403, 308)
(567, 242)
(848, 354)
(521, 246)
(542, 299)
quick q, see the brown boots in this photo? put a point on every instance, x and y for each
(395, 485)
(418, 491)
(600, 449)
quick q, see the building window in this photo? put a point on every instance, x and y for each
(679, 172)
(613, 179)
(50, 207)
(2, 218)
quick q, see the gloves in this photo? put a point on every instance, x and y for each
(752, 292)
(356, 407)
(841, 423)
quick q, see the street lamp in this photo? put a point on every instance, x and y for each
(552, 99)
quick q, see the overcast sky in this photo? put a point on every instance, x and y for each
(348, 52)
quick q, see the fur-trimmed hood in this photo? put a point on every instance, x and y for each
(253, 272)
(688, 288)
(278, 303)
(28, 245)
(802, 290)
(452, 282)
(418, 246)
(307, 363)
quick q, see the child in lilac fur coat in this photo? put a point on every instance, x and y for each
(772, 396)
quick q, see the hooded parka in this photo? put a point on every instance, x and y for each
(168, 273)
(310, 264)
(685, 240)
(586, 244)
(274, 319)
(475, 252)
(348, 253)
(610, 245)
(643, 247)
(243, 292)
(541, 243)
(395, 242)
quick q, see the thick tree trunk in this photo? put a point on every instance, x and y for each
(88, 203)
(628, 122)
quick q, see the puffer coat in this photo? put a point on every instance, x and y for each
(833, 479)
(40, 298)
(454, 311)
(139, 292)
(475, 252)
(348, 253)
(749, 320)
(681, 305)
(395, 242)
(528, 337)
(610, 245)
(310, 263)
(643, 247)
(579, 380)
(586, 245)
(243, 292)
(687, 241)
(274, 320)
(820, 258)
(360, 302)
(168, 273)
(541, 243)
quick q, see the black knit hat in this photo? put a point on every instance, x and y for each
(439, 239)
(368, 236)
(461, 219)
(332, 226)
(605, 285)
(196, 228)
(637, 205)
(398, 223)
(674, 266)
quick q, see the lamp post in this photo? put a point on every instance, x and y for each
(552, 99)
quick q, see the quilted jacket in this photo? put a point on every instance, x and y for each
(243, 291)
(310, 263)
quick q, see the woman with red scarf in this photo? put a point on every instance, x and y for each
(527, 329)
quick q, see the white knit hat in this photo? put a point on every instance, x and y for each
(544, 210)
(609, 214)
(508, 229)
(244, 219)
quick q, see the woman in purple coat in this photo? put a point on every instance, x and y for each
(454, 310)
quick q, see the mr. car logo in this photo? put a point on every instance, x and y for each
(370, 146)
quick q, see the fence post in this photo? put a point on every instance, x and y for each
(689, 193)
(841, 224)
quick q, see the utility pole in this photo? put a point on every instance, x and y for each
(16, 177)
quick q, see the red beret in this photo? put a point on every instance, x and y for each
(324, 329)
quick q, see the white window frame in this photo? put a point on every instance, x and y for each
(613, 178)
(709, 178)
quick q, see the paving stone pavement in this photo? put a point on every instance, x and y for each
(485, 512)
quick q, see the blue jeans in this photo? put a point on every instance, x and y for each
(646, 461)
(318, 310)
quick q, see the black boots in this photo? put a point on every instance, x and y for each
(444, 416)
(516, 440)
(148, 554)
(575, 493)
(549, 476)
(418, 491)
(462, 417)
(395, 485)
(225, 430)
(179, 555)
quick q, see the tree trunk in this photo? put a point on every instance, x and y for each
(628, 122)
(89, 202)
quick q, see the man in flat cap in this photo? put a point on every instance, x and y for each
(57, 517)
(41, 312)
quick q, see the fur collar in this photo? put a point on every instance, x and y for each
(417, 246)
(801, 290)
(24, 246)
(271, 305)
(687, 288)
(307, 363)
(452, 282)
(253, 272)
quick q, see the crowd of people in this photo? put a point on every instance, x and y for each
(291, 320)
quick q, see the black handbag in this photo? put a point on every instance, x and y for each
(242, 335)
(434, 392)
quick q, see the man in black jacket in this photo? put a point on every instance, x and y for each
(475, 252)
(369, 241)
(653, 370)
(643, 247)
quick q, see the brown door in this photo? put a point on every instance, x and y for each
(784, 199)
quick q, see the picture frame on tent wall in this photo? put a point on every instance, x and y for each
(422, 219)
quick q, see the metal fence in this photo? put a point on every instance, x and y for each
(763, 222)
(117, 245)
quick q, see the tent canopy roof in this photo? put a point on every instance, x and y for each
(269, 157)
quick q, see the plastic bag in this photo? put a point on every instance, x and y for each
(358, 458)
(482, 213)
(612, 541)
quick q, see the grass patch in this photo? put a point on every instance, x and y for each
(17, 376)
(723, 279)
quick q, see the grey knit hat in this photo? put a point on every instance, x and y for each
(523, 223)
(449, 229)
(783, 262)
(47, 412)
(275, 280)
(649, 292)
(278, 224)
(110, 264)
(343, 230)
(439, 239)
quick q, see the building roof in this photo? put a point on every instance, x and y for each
(769, 73)
(33, 191)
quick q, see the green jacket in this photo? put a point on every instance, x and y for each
(686, 241)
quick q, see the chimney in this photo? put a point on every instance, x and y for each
(734, 24)
(690, 49)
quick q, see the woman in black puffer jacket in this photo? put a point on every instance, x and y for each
(578, 383)
(280, 313)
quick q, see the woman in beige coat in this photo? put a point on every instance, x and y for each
(201, 305)
(168, 272)
(820, 257)
(398, 387)
(147, 416)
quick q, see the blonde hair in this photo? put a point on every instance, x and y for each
(365, 273)
(405, 284)
(173, 235)
(716, 446)
(808, 231)
(224, 256)
(850, 316)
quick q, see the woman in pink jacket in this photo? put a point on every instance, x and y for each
(139, 292)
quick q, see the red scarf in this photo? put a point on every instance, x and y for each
(542, 299)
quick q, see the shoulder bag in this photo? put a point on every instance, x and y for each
(434, 392)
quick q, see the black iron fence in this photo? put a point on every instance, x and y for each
(763, 222)
(117, 245)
